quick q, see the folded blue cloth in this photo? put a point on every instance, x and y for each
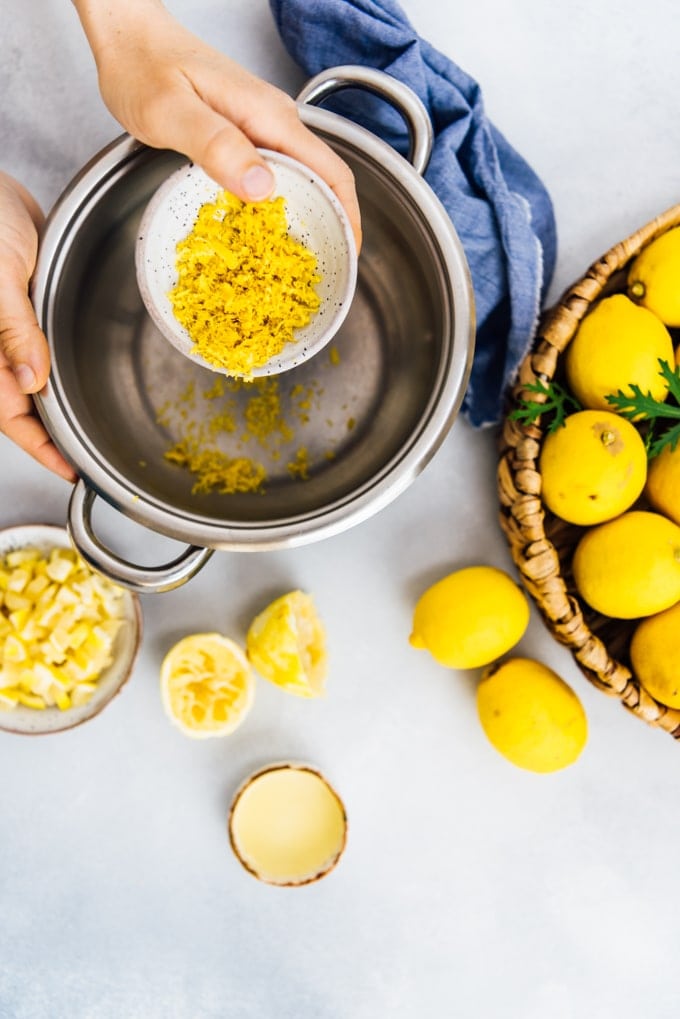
(499, 207)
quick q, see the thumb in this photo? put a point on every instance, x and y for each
(219, 147)
(21, 339)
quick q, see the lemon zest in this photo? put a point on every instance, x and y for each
(244, 285)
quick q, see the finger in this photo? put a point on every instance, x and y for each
(302, 144)
(21, 339)
(20, 424)
(275, 123)
(209, 139)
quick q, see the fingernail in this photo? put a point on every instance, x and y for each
(258, 183)
(25, 376)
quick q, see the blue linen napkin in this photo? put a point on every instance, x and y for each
(499, 207)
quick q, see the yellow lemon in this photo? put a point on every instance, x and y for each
(207, 685)
(531, 716)
(470, 618)
(630, 566)
(655, 652)
(663, 483)
(617, 343)
(654, 277)
(593, 467)
(286, 643)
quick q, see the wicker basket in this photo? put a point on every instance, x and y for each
(541, 544)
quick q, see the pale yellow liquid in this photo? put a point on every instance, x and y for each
(288, 825)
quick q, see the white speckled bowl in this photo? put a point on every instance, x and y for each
(315, 218)
(33, 722)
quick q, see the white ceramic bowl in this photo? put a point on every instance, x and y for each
(31, 721)
(316, 219)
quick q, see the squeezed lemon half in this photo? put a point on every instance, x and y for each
(287, 825)
(286, 644)
(207, 685)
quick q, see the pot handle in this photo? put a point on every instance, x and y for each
(144, 579)
(398, 95)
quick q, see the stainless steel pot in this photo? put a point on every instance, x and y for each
(405, 352)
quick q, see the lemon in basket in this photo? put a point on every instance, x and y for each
(617, 343)
(663, 483)
(531, 716)
(470, 618)
(653, 278)
(593, 467)
(207, 685)
(286, 644)
(654, 653)
(630, 566)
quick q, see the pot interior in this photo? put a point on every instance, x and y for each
(349, 414)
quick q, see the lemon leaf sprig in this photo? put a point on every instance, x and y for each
(638, 406)
(556, 400)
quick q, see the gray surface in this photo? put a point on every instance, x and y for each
(469, 888)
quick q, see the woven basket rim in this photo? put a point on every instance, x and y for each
(522, 513)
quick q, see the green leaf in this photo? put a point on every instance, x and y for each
(638, 406)
(556, 400)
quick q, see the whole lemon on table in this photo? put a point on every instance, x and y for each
(663, 483)
(470, 618)
(630, 566)
(653, 278)
(593, 467)
(616, 344)
(655, 655)
(531, 716)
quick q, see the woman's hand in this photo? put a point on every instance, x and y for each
(24, 357)
(171, 90)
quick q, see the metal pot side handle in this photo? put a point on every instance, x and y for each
(398, 95)
(144, 580)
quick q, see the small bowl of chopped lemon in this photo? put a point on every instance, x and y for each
(68, 636)
(247, 288)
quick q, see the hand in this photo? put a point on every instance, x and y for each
(24, 356)
(171, 90)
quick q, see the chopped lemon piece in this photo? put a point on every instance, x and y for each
(286, 644)
(9, 697)
(58, 624)
(31, 700)
(14, 650)
(207, 685)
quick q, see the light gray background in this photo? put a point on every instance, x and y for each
(469, 888)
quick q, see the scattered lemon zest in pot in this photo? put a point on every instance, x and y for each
(299, 467)
(244, 285)
(212, 427)
(58, 625)
(263, 415)
(215, 471)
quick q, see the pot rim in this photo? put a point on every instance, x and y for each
(71, 209)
